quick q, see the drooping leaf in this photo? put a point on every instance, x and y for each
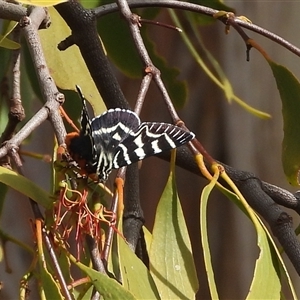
(263, 261)
(204, 237)
(109, 288)
(25, 187)
(67, 67)
(289, 89)
(141, 286)
(48, 285)
(219, 79)
(171, 260)
(266, 279)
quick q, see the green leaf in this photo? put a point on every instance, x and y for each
(171, 259)
(26, 187)
(220, 80)
(265, 242)
(141, 286)
(266, 280)
(6, 42)
(289, 89)
(48, 285)
(204, 238)
(118, 43)
(42, 2)
(68, 67)
(49, 288)
(109, 288)
(121, 50)
(148, 238)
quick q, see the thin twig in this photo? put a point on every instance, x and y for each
(133, 22)
(59, 274)
(142, 92)
(16, 111)
(95, 254)
(48, 88)
(110, 8)
(10, 11)
(110, 232)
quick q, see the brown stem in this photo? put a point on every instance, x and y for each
(16, 111)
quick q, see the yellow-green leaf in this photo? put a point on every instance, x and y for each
(26, 187)
(48, 285)
(109, 288)
(267, 263)
(42, 2)
(8, 44)
(265, 283)
(289, 89)
(68, 67)
(171, 259)
(204, 237)
(141, 286)
(266, 280)
(220, 80)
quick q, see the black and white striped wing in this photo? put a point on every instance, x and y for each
(109, 130)
(112, 127)
(117, 138)
(85, 119)
(150, 138)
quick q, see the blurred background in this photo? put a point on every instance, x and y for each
(228, 132)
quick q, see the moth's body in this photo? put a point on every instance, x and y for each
(117, 138)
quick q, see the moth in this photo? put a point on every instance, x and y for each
(118, 138)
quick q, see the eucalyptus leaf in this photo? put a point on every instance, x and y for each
(289, 89)
(171, 259)
(68, 67)
(25, 187)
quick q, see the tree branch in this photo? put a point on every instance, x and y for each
(110, 8)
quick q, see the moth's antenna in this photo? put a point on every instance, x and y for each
(85, 118)
(79, 91)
